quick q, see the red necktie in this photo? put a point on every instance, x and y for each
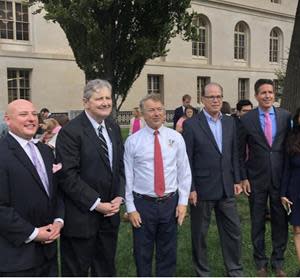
(159, 179)
(268, 128)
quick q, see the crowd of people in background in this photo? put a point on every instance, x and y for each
(68, 179)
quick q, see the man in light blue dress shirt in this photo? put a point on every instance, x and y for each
(154, 218)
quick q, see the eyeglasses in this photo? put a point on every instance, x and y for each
(211, 98)
(152, 110)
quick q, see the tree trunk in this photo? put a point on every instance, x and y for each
(291, 90)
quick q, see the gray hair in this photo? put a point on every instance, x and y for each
(211, 84)
(94, 85)
(153, 97)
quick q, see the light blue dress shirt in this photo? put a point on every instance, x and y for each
(273, 120)
(215, 127)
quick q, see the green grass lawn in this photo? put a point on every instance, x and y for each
(125, 261)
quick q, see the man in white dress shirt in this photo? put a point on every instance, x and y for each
(158, 181)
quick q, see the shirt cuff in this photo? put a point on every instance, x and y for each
(59, 220)
(130, 207)
(32, 236)
(95, 204)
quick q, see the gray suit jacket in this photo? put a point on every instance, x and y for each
(264, 163)
(214, 173)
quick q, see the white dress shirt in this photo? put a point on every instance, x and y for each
(139, 164)
(24, 144)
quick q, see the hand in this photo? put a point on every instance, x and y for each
(246, 187)
(44, 233)
(285, 201)
(238, 189)
(135, 219)
(108, 209)
(180, 214)
(117, 200)
(193, 198)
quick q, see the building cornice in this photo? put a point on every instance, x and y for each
(40, 56)
(246, 9)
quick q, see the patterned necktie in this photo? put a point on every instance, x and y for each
(159, 179)
(268, 128)
(103, 144)
(38, 165)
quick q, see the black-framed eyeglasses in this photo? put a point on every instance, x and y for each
(211, 98)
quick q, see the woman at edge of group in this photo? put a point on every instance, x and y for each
(136, 122)
(188, 113)
(290, 187)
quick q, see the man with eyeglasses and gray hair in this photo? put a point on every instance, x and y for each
(92, 178)
(211, 143)
(158, 181)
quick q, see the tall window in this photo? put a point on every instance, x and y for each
(240, 41)
(243, 88)
(200, 46)
(274, 46)
(202, 81)
(18, 84)
(155, 84)
(14, 22)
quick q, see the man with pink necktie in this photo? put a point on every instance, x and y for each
(264, 130)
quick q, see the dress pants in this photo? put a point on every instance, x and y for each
(229, 232)
(279, 226)
(159, 228)
(95, 254)
(47, 269)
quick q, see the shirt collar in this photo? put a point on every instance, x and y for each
(270, 110)
(23, 142)
(210, 118)
(151, 130)
(94, 123)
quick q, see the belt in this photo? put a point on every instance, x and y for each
(155, 199)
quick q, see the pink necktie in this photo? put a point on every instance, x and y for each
(159, 179)
(268, 128)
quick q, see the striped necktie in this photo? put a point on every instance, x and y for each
(103, 143)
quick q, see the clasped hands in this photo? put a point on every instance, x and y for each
(110, 208)
(49, 233)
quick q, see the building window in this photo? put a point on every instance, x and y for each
(202, 81)
(274, 46)
(275, 1)
(14, 24)
(240, 41)
(155, 84)
(200, 46)
(18, 84)
(243, 89)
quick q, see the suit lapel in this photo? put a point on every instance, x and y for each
(21, 155)
(256, 123)
(279, 123)
(205, 127)
(91, 134)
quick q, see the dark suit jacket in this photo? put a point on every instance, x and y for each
(214, 173)
(265, 163)
(86, 176)
(24, 205)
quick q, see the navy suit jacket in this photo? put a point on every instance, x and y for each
(87, 176)
(265, 164)
(24, 205)
(213, 173)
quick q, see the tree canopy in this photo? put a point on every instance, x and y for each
(291, 90)
(113, 39)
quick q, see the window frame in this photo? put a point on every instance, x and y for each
(243, 93)
(241, 38)
(200, 46)
(202, 81)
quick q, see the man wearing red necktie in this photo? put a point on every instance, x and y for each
(264, 130)
(158, 181)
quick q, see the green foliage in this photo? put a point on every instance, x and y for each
(113, 39)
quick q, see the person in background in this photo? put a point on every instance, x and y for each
(242, 107)
(31, 207)
(226, 109)
(188, 113)
(179, 111)
(137, 122)
(51, 128)
(158, 181)
(45, 114)
(262, 137)
(290, 186)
